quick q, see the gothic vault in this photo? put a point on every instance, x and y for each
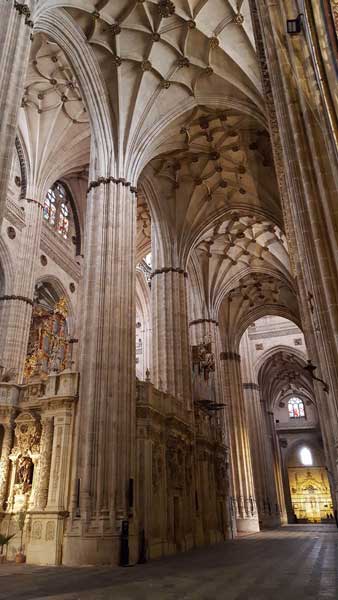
(168, 274)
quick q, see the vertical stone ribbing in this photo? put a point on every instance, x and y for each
(263, 460)
(242, 478)
(45, 461)
(4, 462)
(14, 53)
(107, 391)
(171, 364)
(19, 311)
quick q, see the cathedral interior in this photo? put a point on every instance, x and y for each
(168, 275)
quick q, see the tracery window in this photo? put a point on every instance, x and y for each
(296, 408)
(57, 210)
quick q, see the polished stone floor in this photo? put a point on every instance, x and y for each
(297, 562)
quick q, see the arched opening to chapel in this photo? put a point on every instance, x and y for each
(290, 467)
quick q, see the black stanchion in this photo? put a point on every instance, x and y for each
(124, 550)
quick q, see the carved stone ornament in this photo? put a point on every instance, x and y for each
(204, 359)
(175, 463)
(27, 435)
(166, 8)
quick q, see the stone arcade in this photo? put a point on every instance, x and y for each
(168, 274)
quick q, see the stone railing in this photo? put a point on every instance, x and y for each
(64, 384)
(300, 423)
(147, 394)
(9, 394)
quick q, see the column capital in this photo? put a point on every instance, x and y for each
(230, 356)
(251, 386)
(169, 270)
(14, 297)
(199, 321)
(115, 180)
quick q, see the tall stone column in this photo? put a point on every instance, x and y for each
(107, 404)
(171, 361)
(302, 131)
(274, 448)
(263, 459)
(244, 502)
(7, 444)
(15, 31)
(45, 461)
(18, 307)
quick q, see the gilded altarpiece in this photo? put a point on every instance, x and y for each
(38, 423)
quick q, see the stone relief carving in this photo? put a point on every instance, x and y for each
(27, 435)
(37, 530)
(157, 466)
(50, 531)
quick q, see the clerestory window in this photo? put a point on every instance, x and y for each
(296, 408)
(57, 210)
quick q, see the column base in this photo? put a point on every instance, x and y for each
(270, 522)
(44, 545)
(97, 550)
(248, 525)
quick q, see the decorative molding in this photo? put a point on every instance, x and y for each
(198, 321)
(230, 356)
(14, 297)
(105, 180)
(169, 270)
(23, 9)
(271, 334)
(15, 214)
(23, 169)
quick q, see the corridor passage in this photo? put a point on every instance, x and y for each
(294, 563)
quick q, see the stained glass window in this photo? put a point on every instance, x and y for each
(63, 221)
(296, 408)
(49, 208)
(57, 211)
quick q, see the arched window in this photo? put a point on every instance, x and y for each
(306, 457)
(57, 209)
(296, 408)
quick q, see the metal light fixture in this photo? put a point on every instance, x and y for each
(294, 26)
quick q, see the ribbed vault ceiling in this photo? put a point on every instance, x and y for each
(53, 122)
(157, 56)
(183, 88)
(281, 374)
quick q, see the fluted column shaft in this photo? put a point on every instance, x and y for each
(5, 462)
(15, 33)
(171, 361)
(241, 466)
(263, 459)
(18, 309)
(107, 363)
(45, 461)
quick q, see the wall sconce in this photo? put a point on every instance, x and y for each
(294, 26)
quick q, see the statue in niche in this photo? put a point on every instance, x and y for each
(24, 472)
(49, 344)
(203, 366)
